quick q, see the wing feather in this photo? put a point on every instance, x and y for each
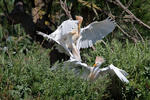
(79, 69)
(111, 69)
(95, 31)
(119, 74)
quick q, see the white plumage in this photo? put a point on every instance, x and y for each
(70, 38)
(94, 32)
(69, 35)
(63, 37)
(92, 73)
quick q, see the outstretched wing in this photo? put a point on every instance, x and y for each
(60, 47)
(95, 31)
(48, 37)
(114, 70)
(79, 69)
(119, 73)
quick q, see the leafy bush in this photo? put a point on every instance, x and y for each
(25, 69)
(25, 73)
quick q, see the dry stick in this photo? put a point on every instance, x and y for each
(109, 14)
(130, 13)
(88, 4)
(126, 32)
(65, 8)
(138, 33)
(119, 26)
(95, 11)
(128, 5)
(123, 31)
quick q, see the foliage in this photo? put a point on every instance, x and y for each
(25, 73)
(25, 70)
(133, 58)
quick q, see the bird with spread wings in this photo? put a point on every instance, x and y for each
(70, 37)
(92, 73)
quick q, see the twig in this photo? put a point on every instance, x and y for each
(132, 38)
(118, 25)
(88, 4)
(95, 12)
(128, 5)
(138, 33)
(108, 14)
(106, 44)
(131, 14)
(65, 8)
(123, 31)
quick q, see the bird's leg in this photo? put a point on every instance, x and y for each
(76, 33)
(91, 76)
(65, 47)
(93, 48)
(75, 36)
(76, 52)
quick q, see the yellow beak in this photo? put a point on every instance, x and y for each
(94, 65)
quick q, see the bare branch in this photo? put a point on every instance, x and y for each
(65, 8)
(127, 6)
(138, 32)
(123, 31)
(130, 13)
(88, 4)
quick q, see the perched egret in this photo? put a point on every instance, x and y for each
(92, 73)
(72, 37)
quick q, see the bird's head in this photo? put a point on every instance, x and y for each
(98, 61)
(80, 19)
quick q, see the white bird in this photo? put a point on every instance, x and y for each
(92, 73)
(63, 37)
(71, 37)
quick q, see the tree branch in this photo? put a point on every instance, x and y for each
(65, 8)
(89, 5)
(130, 13)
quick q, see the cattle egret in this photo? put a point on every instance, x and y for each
(72, 37)
(92, 73)
(64, 36)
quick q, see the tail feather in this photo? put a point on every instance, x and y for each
(124, 72)
(119, 73)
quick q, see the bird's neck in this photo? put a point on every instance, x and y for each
(79, 26)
